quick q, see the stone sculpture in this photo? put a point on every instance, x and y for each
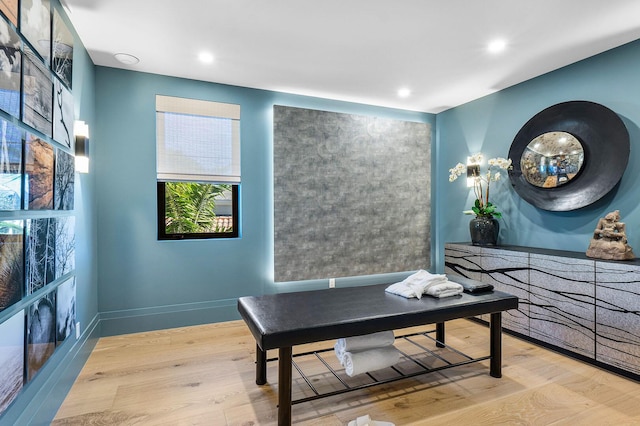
(610, 240)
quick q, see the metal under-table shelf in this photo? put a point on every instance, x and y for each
(441, 354)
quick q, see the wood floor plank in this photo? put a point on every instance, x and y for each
(205, 375)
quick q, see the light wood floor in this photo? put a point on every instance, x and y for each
(205, 375)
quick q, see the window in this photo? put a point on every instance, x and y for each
(198, 168)
(197, 210)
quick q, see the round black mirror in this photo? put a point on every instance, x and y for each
(600, 141)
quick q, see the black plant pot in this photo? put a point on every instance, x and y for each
(484, 231)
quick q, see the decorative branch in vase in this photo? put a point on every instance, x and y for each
(484, 228)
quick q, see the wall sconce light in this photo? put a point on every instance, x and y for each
(473, 171)
(81, 132)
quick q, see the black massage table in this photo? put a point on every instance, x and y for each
(284, 320)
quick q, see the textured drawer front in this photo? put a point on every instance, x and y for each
(618, 315)
(563, 302)
(508, 271)
(463, 260)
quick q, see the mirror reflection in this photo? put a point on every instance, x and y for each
(552, 159)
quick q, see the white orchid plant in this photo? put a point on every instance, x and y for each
(481, 183)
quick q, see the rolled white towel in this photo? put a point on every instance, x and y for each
(368, 421)
(360, 343)
(361, 421)
(444, 290)
(370, 360)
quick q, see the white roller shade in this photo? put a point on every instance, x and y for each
(197, 140)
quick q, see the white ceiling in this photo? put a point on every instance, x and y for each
(356, 50)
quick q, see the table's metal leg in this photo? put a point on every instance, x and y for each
(440, 335)
(496, 345)
(284, 386)
(261, 366)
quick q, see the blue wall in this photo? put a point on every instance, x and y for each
(148, 284)
(489, 125)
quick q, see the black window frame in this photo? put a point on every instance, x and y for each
(163, 235)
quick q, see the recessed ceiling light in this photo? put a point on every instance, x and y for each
(497, 46)
(205, 57)
(404, 92)
(126, 59)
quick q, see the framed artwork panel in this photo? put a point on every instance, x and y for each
(9, 8)
(62, 50)
(41, 333)
(35, 25)
(40, 253)
(11, 262)
(65, 246)
(10, 69)
(11, 359)
(37, 97)
(64, 180)
(39, 174)
(62, 114)
(10, 166)
(66, 310)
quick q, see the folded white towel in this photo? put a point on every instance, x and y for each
(401, 289)
(444, 290)
(421, 277)
(360, 343)
(416, 284)
(370, 360)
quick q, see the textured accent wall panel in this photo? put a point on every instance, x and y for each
(351, 194)
(618, 315)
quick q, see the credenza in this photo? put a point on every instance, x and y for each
(587, 308)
